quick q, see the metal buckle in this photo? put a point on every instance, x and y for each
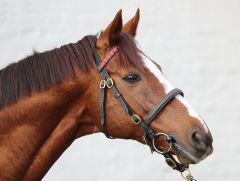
(135, 119)
(171, 163)
(157, 150)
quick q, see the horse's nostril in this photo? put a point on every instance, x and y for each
(196, 137)
(200, 141)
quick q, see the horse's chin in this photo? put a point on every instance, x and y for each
(184, 156)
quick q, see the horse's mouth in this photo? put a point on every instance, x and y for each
(184, 156)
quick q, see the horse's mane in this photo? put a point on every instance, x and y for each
(40, 71)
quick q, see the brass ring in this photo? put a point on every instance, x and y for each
(102, 84)
(109, 83)
(157, 150)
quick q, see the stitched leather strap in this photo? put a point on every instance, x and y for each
(161, 105)
(104, 74)
(103, 111)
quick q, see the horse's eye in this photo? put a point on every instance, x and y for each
(132, 78)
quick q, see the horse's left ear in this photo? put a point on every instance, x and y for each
(110, 35)
(131, 26)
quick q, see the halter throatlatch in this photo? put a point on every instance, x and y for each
(149, 135)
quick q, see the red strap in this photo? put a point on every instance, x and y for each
(108, 57)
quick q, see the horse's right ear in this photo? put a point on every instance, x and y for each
(131, 26)
(110, 35)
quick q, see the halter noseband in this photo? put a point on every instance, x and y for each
(149, 134)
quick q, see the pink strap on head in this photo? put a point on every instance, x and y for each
(108, 57)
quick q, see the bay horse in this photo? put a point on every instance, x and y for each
(49, 99)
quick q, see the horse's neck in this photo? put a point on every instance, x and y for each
(35, 131)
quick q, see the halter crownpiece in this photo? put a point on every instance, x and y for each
(149, 135)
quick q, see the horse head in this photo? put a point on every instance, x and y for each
(142, 84)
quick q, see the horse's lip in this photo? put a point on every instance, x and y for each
(184, 156)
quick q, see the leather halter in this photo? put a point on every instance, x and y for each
(149, 133)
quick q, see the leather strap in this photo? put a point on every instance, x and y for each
(162, 104)
(103, 111)
(104, 74)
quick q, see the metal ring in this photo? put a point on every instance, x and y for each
(109, 83)
(157, 150)
(102, 84)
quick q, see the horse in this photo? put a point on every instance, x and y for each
(50, 99)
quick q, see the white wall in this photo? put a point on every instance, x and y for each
(196, 42)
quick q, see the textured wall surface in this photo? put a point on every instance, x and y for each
(196, 42)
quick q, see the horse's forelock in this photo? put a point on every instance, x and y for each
(129, 52)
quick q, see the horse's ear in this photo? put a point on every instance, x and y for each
(110, 35)
(131, 26)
